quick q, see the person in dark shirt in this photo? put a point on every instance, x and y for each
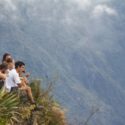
(3, 74)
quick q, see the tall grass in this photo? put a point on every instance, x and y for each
(15, 108)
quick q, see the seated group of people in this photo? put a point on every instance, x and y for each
(12, 76)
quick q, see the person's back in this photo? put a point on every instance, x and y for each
(12, 79)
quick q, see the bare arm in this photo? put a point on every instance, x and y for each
(3, 76)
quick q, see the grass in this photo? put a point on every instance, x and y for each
(15, 108)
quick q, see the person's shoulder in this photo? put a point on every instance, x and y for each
(13, 71)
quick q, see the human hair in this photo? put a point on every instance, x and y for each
(3, 66)
(4, 57)
(19, 64)
(9, 60)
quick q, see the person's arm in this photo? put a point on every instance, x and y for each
(25, 80)
(27, 75)
(3, 76)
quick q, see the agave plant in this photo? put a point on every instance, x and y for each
(14, 110)
(8, 108)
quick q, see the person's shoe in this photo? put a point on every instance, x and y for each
(39, 107)
(33, 102)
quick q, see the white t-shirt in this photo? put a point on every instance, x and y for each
(12, 79)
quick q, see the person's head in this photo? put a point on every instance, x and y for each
(10, 63)
(3, 68)
(20, 66)
(5, 57)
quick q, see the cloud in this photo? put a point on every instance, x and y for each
(8, 5)
(104, 9)
(82, 4)
(8, 10)
(69, 13)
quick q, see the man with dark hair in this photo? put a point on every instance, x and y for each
(19, 64)
(13, 81)
(3, 70)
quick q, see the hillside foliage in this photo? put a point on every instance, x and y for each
(15, 108)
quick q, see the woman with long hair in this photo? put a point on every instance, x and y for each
(6, 56)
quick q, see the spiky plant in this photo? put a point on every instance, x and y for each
(52, 113)
(8, 108)
(15, 110)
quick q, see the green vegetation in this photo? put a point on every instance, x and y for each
(15, 108)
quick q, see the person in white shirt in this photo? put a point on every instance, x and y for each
(13, 81)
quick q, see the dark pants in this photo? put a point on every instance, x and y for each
(14, 89)
(1, 84)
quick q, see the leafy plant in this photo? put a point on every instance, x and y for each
(15, 108)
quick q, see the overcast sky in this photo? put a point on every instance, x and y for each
(95, 26)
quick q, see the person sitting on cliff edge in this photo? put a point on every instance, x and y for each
(13, 81)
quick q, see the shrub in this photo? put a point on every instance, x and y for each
(15, 110)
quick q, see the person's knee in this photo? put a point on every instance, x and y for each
(28, 88)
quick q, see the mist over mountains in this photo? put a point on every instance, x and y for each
(80, 41)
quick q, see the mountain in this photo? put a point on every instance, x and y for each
(81, 43)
